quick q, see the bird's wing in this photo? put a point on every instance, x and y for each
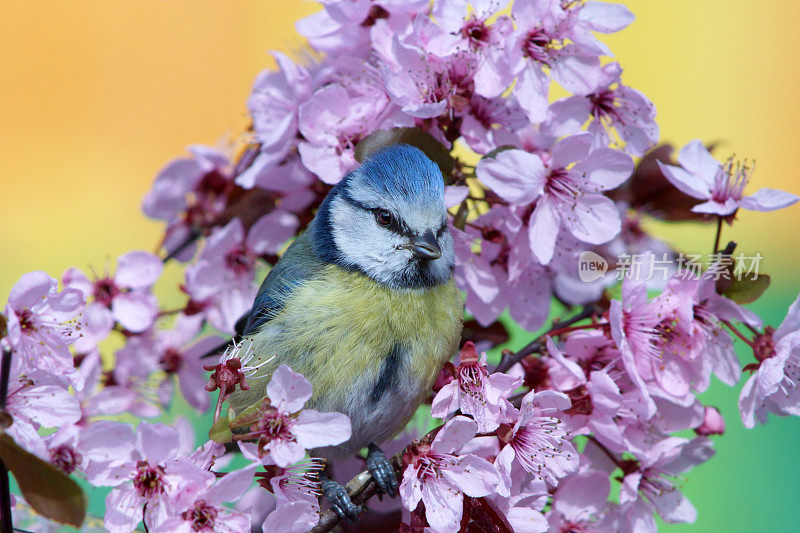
(298, 264)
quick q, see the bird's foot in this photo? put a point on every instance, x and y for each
(382, 471)
(340, 500)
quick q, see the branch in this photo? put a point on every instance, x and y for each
(6, 525)
(362, 487)
(509, 358)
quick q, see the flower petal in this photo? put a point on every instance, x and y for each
(138, 269)
(315, 429)
(288, 390)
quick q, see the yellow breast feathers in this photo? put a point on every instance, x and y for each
(338, 328)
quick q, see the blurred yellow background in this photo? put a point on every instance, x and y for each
(97, 95)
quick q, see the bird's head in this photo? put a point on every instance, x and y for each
(388, 220)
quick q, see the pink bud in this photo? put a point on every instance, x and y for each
(713, 423)
(468, 354)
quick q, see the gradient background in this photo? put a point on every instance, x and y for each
(97, 95)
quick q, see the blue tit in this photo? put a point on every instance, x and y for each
(364, 305)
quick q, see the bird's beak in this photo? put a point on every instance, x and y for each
(426, 246)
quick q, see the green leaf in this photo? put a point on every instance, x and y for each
(221, 431)
(423, 140)
(745, 291)
(50, 492)
(499, 149)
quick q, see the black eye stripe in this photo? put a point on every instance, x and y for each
(442, 229)
(396, 225)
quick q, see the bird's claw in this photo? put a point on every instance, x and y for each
(340, 500)
(382, 471)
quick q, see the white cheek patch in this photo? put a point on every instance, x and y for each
(363, 243)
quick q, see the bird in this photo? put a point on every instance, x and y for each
(363, 303)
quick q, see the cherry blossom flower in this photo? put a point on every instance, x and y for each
(423, 84)
(648, 485)
(774, 387)
(612, 107)
(344, 26)
(222, 282)
(539, 41)
(41, 322)
(189, 194)
(199, 506)
(579, 501)
(273, 104)
(151, 473)
(440, 478)
(124, 298)
(464, 25)
(713, 423)
(32, 407)
(167, 350)
(721, 186)
(332, 121)
(536, 440)
(474, 391)
(292, 517)
(566, 195)
(284, 429)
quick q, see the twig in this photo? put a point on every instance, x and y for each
(193, 236)
(509, 359)
(6, 524)
(362, 487)
(719, 234)
(738, 333)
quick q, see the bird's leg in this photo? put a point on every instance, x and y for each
(382, 471)
(337, 495)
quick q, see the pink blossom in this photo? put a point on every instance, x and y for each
(721, 186)
(124, 298)
(344, 25)
(293, 517)
(285, 430)
(774, 387)
(611, 108)
(32, 407)
(483, 272)
(579, 501)
(189, 194)
(464, 26)
(535, 440)
(222, 282)
(539, 42)
(649, 483)
(424, 84)
(273, 105)
(474, 391)
(566, 194)
(332, 121)
(151, 472)
(598, 405)
(440, 478)
(167, 350)
(199, 506)
(41, 323)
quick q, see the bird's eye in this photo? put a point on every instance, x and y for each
(383, 217)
